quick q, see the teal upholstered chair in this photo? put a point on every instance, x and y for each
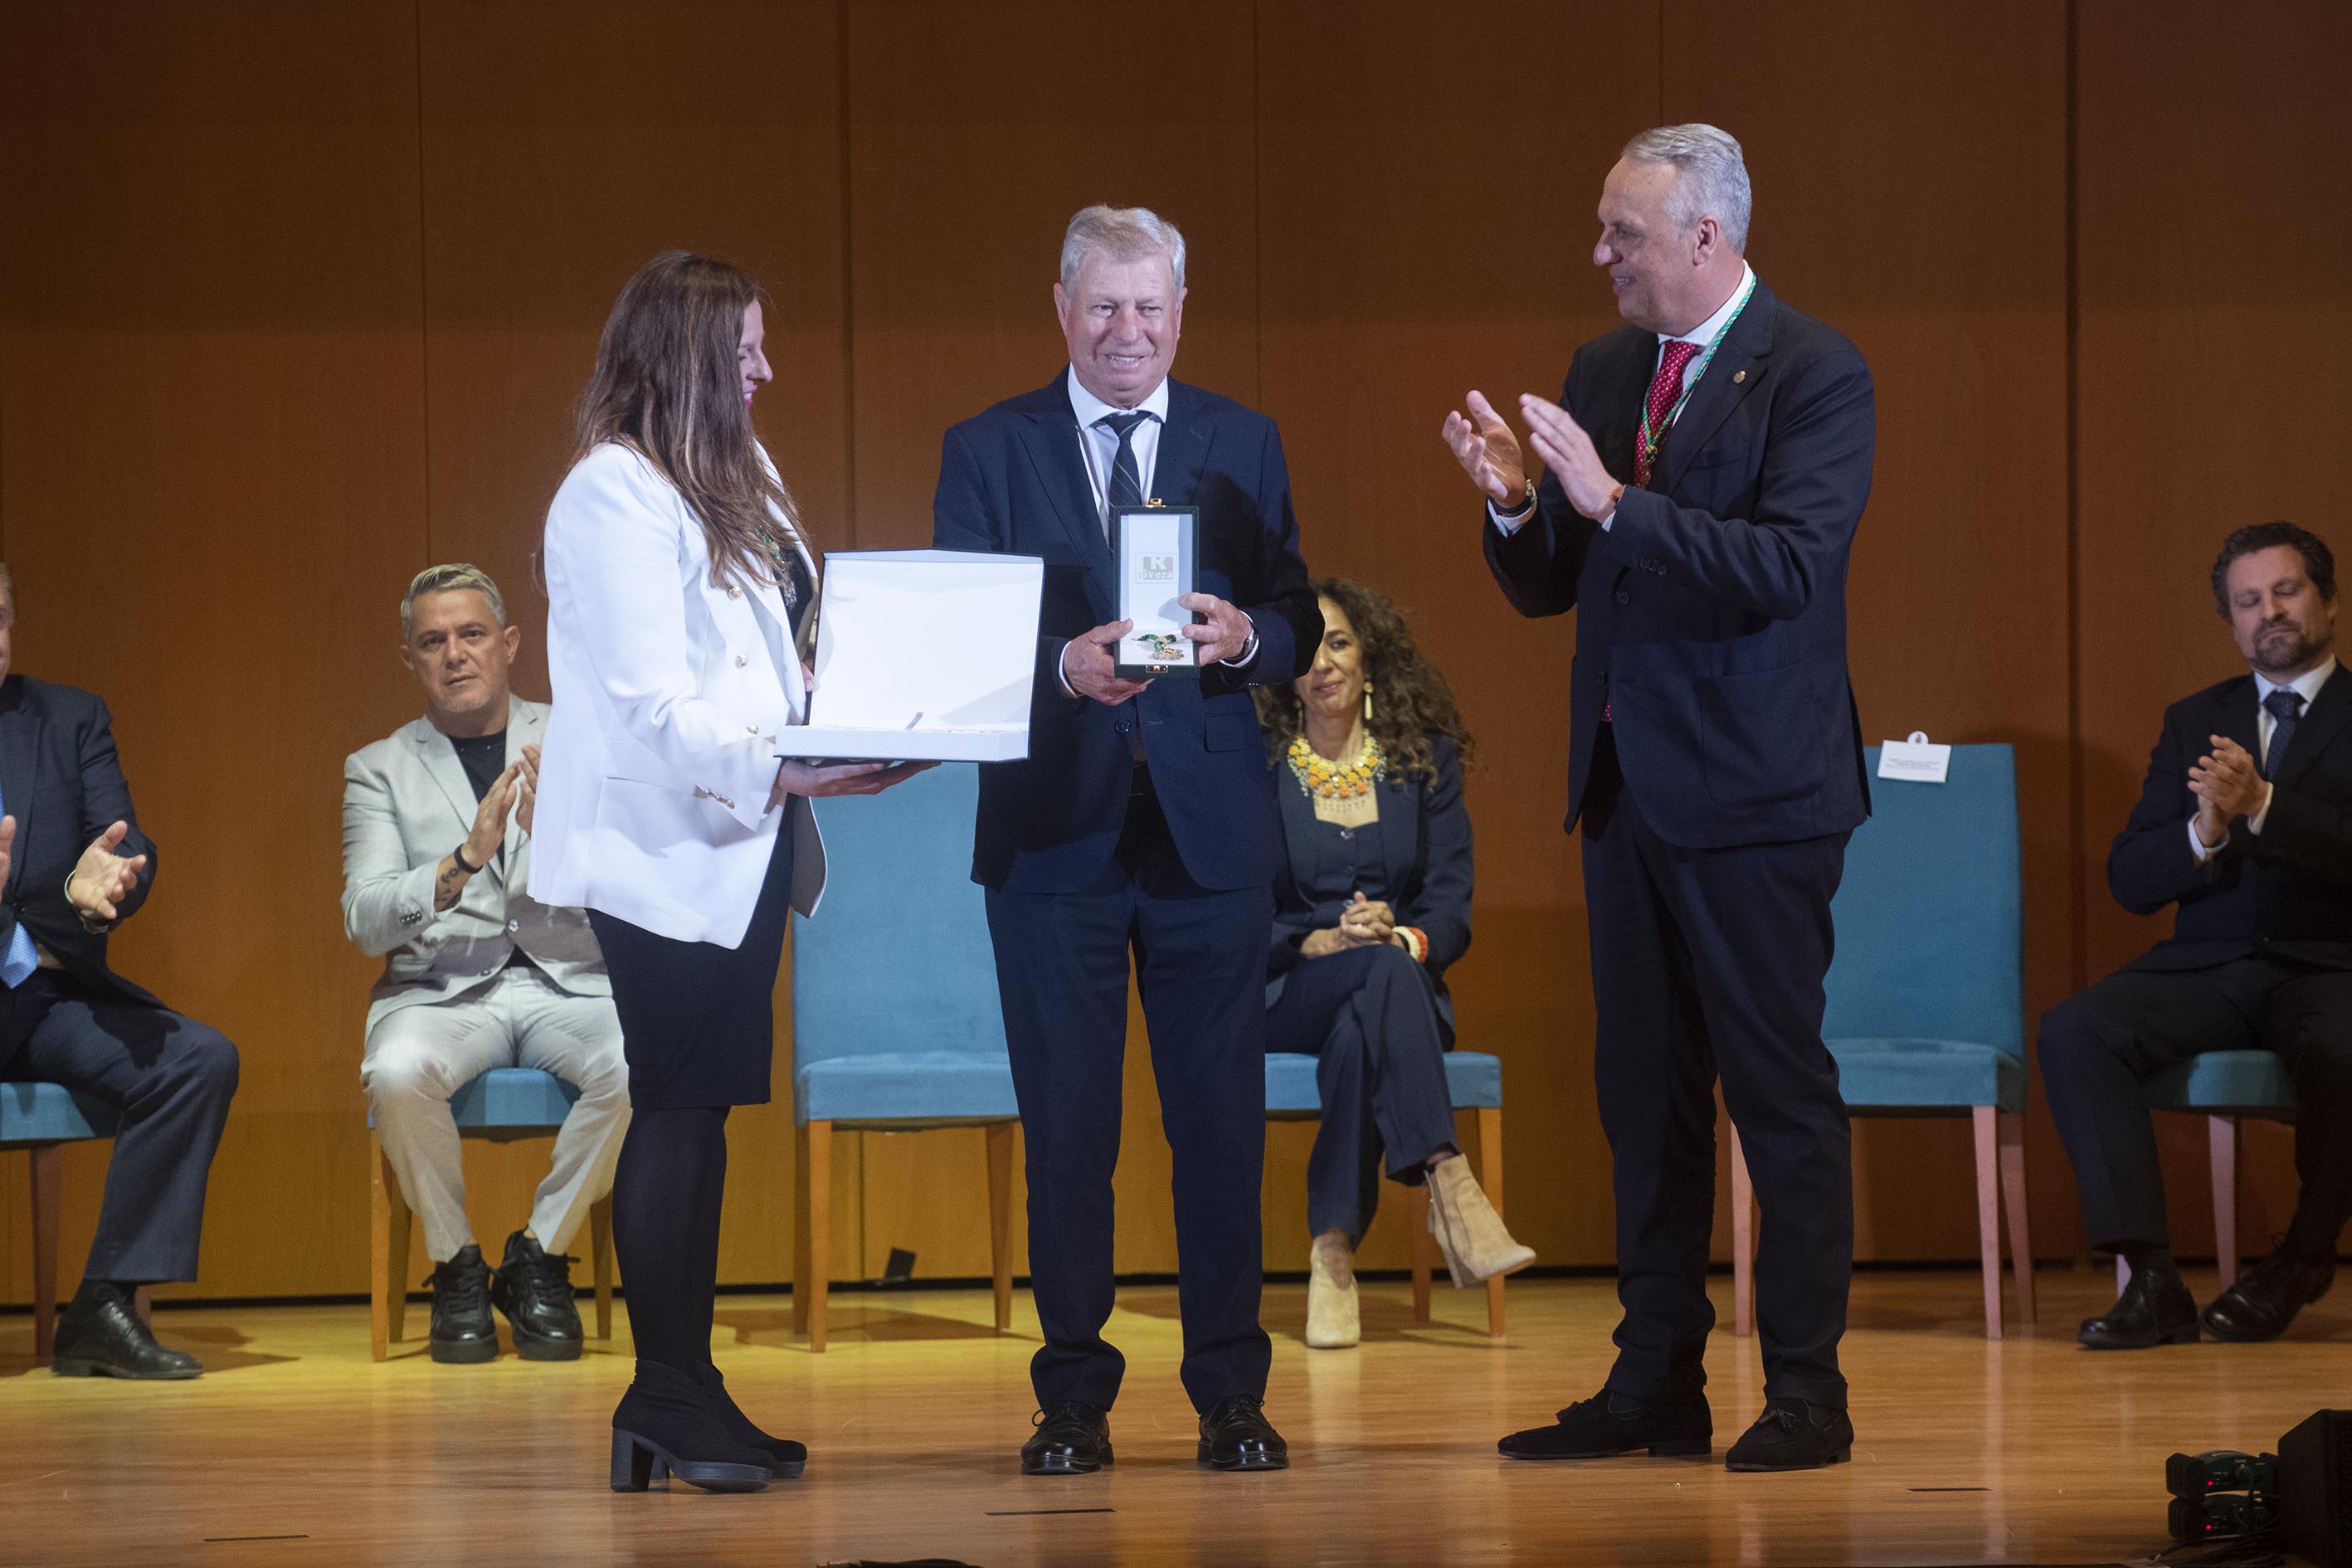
(895, 1024)
(2223, 1086)
(501, 1105)
(1927, 993)
(1475, 1082)
(41, 1118)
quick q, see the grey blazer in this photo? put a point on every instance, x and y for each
(407, 803)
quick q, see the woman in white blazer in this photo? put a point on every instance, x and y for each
(679, 591)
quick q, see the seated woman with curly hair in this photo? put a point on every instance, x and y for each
(1371, 906)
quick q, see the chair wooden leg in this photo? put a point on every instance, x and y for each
(812, 1243)
(2011, 1130)
(1743, 1242)
(1490, 1176)
(1424, 1248)
(48, 1185)
(1989, 1214)
(389, 1229)
(2221, 1137)
(600, 1259)
(1001, 1139)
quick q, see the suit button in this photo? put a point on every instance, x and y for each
(740, 661)
(1624, 598)
(733, 592)
(752, 728)
(514, 925)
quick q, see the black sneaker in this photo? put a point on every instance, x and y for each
(533, 1289)
(462, 1329)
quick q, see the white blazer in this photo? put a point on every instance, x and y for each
(671, 699)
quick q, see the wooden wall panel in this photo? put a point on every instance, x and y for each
(2211, 257)
(1913, 196)
(564, 145)
(211, 458)
(1423, 234)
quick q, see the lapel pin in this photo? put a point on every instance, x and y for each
(1738, 376)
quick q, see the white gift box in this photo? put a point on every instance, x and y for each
(923, 655)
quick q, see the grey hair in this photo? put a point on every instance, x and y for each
(454, 577)
(1124, 234)
(1715, 177)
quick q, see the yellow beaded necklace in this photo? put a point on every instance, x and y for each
(1318, 775)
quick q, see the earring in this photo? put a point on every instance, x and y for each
(1367, 703)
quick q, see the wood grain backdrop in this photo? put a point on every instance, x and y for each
(294, 299)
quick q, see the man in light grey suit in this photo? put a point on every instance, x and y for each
(478, 974)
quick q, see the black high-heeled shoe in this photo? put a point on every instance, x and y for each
(786, 1458)
(668, 1424)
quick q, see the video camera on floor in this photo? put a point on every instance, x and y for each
(2301, 1496)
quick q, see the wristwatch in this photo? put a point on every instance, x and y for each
(1526, 503)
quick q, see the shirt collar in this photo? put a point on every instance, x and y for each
(1091, 409)
(1704, 333)
(2306, 686)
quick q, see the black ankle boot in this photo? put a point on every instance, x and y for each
(462, 1329)
(786, 1458)
(671, 1417)
(533, 1289)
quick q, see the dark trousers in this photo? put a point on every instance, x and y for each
(1062, 968)
(171, 1077)
(1369, 1017)
(2100, 1045)
(1707, 964)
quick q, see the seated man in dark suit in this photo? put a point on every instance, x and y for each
(2245, 824)
(77, 866)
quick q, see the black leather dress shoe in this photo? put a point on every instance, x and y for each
(2266, 1297)
(1793, 1434)
(101, 1336)
(462, 1329)
(2155, 1308)
(533, 1289)
(1073, 1439)
(1610, 1423)
(1236, 1436)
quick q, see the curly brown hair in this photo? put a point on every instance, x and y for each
(1410, 700)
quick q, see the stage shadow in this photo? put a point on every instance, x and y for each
(1384, 1314)
(219, 1347)
(850, 1320)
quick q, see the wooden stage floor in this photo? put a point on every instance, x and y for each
(295, 1448)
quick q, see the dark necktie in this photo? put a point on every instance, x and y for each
(2286, 710)
(1664, 387)
(1126, 478)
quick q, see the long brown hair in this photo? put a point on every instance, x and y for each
(1410, 700)
(667, 387)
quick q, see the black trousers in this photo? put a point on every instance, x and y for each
(171, 1077)
(1200, 959)
(1369, 1016)
(1707, 964)
(2101, 1044)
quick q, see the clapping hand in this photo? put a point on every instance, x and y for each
(8, 845)
(527, 786)
(490, 817)
(102, 879)
(2227, 785)
(1483, 444)
(1568, 452)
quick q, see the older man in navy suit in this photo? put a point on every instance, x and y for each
(1707, 465)
(2244, 826)
(1143, 818)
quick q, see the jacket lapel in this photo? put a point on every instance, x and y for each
(1051, 443)
(439, 759)
(1183, 449)
(19, 749)
(1737, 369)
(2331, 708)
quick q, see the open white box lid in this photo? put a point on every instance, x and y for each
(924, 655)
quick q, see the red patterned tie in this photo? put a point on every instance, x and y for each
(1665, 388)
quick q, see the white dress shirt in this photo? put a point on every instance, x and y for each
(1701, 335)
(2306, 686)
